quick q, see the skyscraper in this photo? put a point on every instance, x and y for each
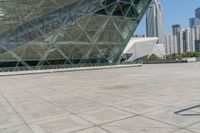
(197, 32)
(170, 44)
(197, 38)
(191, 40)
(177, 31)
(192, 22)
(154, 21)
(197, 13)
(196, 20)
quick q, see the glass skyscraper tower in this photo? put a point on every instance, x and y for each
(41, 34)
(154, 21)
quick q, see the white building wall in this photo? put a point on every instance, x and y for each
(140, 47)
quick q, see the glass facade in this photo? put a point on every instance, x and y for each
(47, 34)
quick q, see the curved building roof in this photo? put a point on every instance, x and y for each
(140, 47)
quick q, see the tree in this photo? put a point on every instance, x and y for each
(191, 54)
(153, 57)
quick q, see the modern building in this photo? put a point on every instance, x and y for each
(159, 50)
(177, 31)
(139, 48)
(174, 45)
(197, 32)
(195, 20)
(170, 44)
(37, 34)
(197, 45)
(191, 40)
(197, 16)
(154, 21)
(197, 13)
(192, 22)
(197, 38)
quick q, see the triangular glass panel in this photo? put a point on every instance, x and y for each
(118, 11)
(132, 13)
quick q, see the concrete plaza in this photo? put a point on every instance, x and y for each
(124, 100)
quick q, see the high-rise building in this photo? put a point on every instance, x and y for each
(195, 20)
(154, 21)
(197, 16)
(197, 13)
(174, 45)
(170, 44)
(177, 31)
(188, 40)
(197, 38)
(191, 40)
(192, 22)
(185, 40)
(197, 32)
(40, 34)
(197, 45)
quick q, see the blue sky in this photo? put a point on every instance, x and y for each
(175, 12)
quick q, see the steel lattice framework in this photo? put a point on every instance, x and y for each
(40, 34)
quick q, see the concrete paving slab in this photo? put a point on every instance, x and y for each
(18, 129)
(65, 124)
(126, 100)
(138, 125)
(93, 130)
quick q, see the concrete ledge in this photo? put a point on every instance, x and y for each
(67, 70)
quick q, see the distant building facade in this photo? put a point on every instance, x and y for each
(170, 44)
(197, 13)
(197, 38)
(177, 31)
(192, 22)
(184, 40)
(154, 21)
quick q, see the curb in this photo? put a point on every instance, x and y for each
(66, 70)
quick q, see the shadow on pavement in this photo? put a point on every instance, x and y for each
(187, 111)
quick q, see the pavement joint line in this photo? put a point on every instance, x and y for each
(48, 101)
(116, 107)
(183, 129)
(107, 105)
(77, 114)
(104, 129)
(170, 124)
(192, 124)
(17, 113)
(91, 128)
(102, 104)
(99, 103)
(125, 118)
(14, 126)
(82, 129)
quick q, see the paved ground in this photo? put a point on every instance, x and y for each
(126, 100)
